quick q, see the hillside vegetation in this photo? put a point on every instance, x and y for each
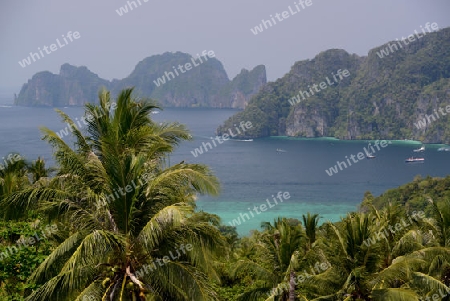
(382, 98)
(205, 84)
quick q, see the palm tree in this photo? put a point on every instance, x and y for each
(440, 224)
(133, 233)
(274, 261)
(38, 170)
(12, 174)
(425, 267)
(288, 236)
(401, 265)
(310, 222)
(352, 259)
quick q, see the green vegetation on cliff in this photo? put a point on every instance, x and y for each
(383, 98)
(205, 84)
(73, 86)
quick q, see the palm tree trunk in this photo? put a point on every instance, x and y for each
(292, 286)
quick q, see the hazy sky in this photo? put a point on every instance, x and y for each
(111, 45)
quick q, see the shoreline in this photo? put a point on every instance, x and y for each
(394, 141)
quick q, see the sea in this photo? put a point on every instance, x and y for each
(252, 173)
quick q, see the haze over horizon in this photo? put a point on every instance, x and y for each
(111, 45)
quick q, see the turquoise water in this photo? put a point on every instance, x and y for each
(251, 172)
(232, 210)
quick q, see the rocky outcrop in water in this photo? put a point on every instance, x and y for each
(160, 77)
(387, 95)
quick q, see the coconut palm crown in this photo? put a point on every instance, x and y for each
(133, 231)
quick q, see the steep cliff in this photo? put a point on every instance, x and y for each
(238, 92)
(73, 86)
(164, 78)
(384, 96)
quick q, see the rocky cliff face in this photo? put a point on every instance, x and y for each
(432, 123)
(159, 77)
(384, 97)
(73, 86)
(313, 114)
(246, 84)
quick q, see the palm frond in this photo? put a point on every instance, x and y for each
(427, 284)
(196, 176)
(166, 219)
(55, 261)
(394, 294)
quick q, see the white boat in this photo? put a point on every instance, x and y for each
(419, 150)
(280, 150)
(245, 140)
(370, 156)
(415, 160)
(444, 149)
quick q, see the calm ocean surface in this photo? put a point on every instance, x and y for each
(251, 172)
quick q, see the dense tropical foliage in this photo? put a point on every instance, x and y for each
(115, 221)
